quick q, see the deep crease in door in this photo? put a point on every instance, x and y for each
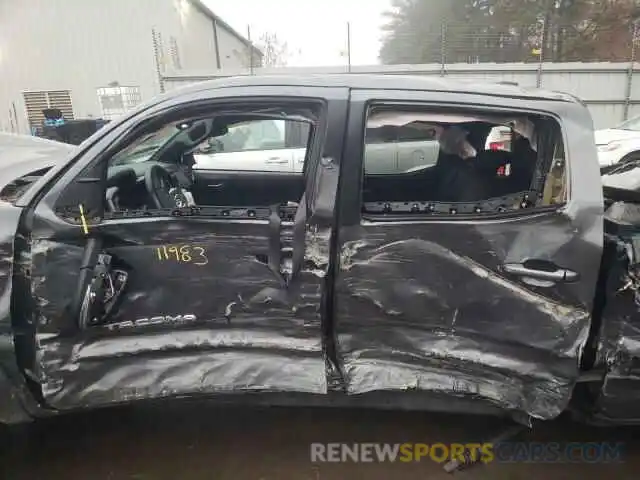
(424, 307)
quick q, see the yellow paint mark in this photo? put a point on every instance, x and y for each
(83, 220)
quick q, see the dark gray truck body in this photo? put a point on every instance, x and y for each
(398, 312)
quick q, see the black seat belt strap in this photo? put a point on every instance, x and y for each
(299, 237)
(275, 244)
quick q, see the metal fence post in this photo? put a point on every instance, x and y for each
(15, 117)
(157, 46)
(632, 61)
(349, 47)
(543, 44)
(250, 49)
(539, 71)
(443, 49)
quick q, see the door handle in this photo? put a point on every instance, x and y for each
(277, 160)
(542, 270)
(215, 185)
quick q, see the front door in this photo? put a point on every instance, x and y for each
(486, 301)
(192, 301)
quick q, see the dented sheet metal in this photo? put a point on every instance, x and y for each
(20, 155)
(617, 397)
(426, 307)
(15, 399)
(181, 329)
(400, 309)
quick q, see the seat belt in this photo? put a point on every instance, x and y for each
(299, 238)
(275, 244)
(543, 165)
(324, 193)
(274, 262)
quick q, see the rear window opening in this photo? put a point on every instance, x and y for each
(460, 162)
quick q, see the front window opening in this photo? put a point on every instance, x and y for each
(239, 162)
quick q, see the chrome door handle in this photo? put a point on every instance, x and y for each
(541, 270)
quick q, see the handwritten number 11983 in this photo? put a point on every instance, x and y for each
(182, 254)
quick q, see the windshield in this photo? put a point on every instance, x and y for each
(631, 124)
(144, 148)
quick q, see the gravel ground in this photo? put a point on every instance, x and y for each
(204, 441)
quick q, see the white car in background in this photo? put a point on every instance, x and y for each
(280, 146)
(618, 144)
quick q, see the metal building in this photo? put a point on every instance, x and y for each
(93, 58)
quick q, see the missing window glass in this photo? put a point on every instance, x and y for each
(453, 162)
(240, 157)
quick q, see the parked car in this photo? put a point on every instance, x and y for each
(283, 149)
(481, 283)
(400, 149)
(619, 144)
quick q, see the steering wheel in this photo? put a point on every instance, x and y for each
(161, 188)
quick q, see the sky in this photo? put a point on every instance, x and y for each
(315, 30)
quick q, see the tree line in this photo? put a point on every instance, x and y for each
(471, 31)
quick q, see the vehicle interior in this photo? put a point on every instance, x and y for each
(451, 160)
(484, 174)
(157, 170)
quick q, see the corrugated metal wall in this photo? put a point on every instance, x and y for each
(72, 46)
(609, 89)
(81, 46)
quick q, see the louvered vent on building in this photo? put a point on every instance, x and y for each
(38, 101)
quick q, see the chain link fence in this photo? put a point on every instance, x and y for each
(457, 43)
(449, 43)
(597, 65)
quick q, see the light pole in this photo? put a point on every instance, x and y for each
(632, 60)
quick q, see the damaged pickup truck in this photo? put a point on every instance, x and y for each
(403, 264)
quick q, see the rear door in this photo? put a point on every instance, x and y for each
(479, 303)
(220, 302)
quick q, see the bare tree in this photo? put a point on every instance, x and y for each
(275, 53)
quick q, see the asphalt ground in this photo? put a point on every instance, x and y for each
(187, 440)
